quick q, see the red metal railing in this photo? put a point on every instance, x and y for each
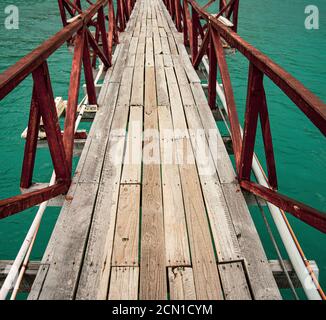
(76, 31)
(197, 24)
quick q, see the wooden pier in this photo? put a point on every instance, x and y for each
(158, 206)
(147, 229)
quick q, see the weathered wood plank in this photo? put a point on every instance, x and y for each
(124, 283)
(153, 284)
(90, 170)
(162, 90)
(137, 97)
(132, 52)
(206, 276)
(226, 244)
(185, 211)
(133, 156)
(126, 237)
(99, 250)
(260, 276)
(221, 159)
(103, 226)
(176, 238)
(149, 53)
(181, 282)
(84, 178)
(234, 282)
(67, 248)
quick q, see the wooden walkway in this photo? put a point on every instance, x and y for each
(140, 221)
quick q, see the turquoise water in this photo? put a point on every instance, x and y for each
(276, 27)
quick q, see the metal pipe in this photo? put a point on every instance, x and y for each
(26, 248)
(277, 250)
(298, 261)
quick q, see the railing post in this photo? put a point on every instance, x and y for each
(88, 71)
(121, 15)
(222, 4)
(112, 29)
(185, 24)
(97, 49)
(235, 16)
(31, 143)
(101, 23)
(45, 100)
(256, 106)
(188, 22)
(255, 80)
(195, 26)
(125, 10)
(97, 37)
(268, 143)
(203, 49)
(62, 12)
(212, 73)
(178, 15)
(69, 129)
(229, 95)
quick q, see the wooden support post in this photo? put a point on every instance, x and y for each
(88, 71)
(129, 7)
(255, 80)
(78, 4)
(222, 4)
(188, 22)
(112, 32)
(62, 12)
(268, 142)
(97, 49)
(185, 24)
(68, 8)
(195, 23)
(230, 100)
(212, 74)
(102, 29)
(121, 15)
(202, 50)
(178, 15)
(201, 30)
(73, 7)
(256, 105)
(97, 37)
(125, 10)
(31, 143)
(49, 116)
(68, 136)
(235, 16)
(172, 13)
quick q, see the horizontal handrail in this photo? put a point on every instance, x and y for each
(215, 34)
(223, 25)
(76, 33)
(15, 74)
(309, 103)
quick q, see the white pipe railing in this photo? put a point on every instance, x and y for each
(15, 277)
(290, 245)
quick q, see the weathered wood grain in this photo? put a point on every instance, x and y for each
(181, 282)
(153, 282)
(126, 236)
(124, 283)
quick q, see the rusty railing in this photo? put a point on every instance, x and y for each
(197, 24)
(76, 32)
